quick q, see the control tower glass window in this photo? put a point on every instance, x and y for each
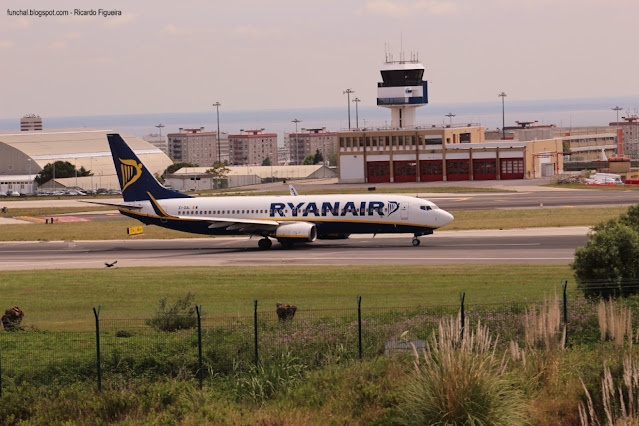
(397, 78)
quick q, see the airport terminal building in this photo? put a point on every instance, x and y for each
(442, 154)
(24, 154)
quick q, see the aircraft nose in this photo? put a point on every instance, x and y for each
(445, 218)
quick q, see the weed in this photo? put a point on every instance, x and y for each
(178, 316)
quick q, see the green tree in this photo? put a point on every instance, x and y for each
(607, 265)
(62, 169)
(267, 161)
(219, 170)
(177, 166)
(309, 160)
(318, 157)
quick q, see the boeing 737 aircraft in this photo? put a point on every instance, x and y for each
(288, 219)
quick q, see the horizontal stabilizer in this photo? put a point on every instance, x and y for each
(119, 205)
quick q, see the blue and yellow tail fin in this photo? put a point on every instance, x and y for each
(137, 183)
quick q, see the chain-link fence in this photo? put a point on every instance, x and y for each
(122, 349)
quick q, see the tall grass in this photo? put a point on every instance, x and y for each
(620, 403)
(615, 322)
(542, 326)
(461, 381)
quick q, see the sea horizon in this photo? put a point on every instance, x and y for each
(559, 112)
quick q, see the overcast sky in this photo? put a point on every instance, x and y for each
(182, 56)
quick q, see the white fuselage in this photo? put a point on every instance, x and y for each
(348, 214)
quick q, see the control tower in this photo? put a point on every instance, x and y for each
(402, 90)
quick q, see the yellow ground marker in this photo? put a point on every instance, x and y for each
(135, 230)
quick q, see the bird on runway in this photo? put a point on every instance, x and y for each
(108, 265)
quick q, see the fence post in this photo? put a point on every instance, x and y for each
(359, 324)
(198, 309)
(564, 285)
(462, 297)
(255, 328)
(97, 341)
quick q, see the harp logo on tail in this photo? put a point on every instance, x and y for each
(131, 171)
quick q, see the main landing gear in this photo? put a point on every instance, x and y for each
(416, 241)
(265, 244)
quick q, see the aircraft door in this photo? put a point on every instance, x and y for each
(403, 211)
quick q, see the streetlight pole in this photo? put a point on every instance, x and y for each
(166, 148)
(297, 142)
(348, 96)
(617, 108)
(450, 115)
(357, 101)
(219, 153)
(30, 181)
(502, 95)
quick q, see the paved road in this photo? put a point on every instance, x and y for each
(540, 245)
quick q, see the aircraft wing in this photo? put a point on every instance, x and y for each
(236, 224)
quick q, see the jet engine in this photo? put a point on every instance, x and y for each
(297, 231)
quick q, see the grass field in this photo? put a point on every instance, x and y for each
(475, 219)
(63, 299)
(531, 218)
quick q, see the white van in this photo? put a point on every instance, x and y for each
(604, 179)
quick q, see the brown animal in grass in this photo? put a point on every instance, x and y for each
(12, 318)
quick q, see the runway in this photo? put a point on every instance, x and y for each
(523, 246)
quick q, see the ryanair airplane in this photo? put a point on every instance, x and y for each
(288, 219)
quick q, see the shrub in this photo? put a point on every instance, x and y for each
(461, 381)
(180, 315)
(606, 266)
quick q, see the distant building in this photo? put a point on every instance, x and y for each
(309, 141)
(196, 146)
(157, 141)
(580, 144)
(630, 135)
(283, 156)
(24, 154)
(252, 147)
(196, 178)
(30, 122)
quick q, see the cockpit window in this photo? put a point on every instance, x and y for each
(425, 208)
